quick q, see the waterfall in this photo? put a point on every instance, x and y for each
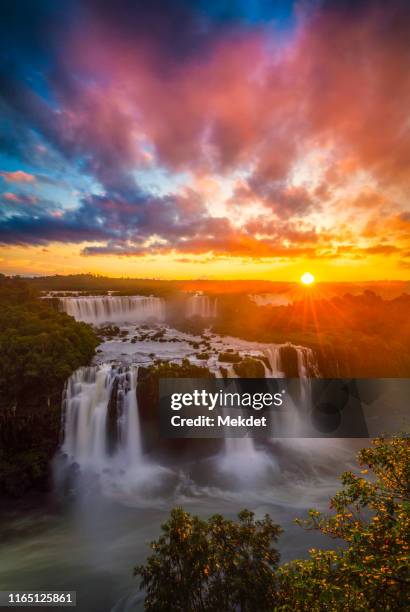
(299, 395)
(273, 355)
(307, 364)
(307, 367)
(202, 306)
(236, 448)
(100, 417)
(306, 361)
(114, 308)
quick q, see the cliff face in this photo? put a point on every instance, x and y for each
(29, 437)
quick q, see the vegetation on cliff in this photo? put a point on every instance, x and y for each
(40, 347)
(148, 379)
(148, 405)
(208, 566)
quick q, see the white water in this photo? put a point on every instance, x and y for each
(87, 401)
(273, 355)
(236, 447)
(202, 306)
(124, 495)
(306, 360)
(86, 413)
(114, 308)
(241, 456)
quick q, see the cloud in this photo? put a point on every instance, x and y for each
(303, 123)
(18, 176)
(17, 198)
(383, 249)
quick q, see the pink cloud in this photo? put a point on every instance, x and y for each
(252, 106)
(250, 100)
(17, 198)
(18, 176)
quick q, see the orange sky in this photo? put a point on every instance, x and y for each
(67, 259)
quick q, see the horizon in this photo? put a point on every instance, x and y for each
(208, 280)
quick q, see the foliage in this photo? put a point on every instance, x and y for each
(372, 517)
(249, 368)
(93, 284)
(219, 565)
(352, 336)
(229, 357)
(148, 382)
(40, 348)
(211, 566)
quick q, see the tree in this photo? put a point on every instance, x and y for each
(211, 566)
(372, 517)
(220, 565)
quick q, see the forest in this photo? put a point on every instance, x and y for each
(352, 335)
(39, 349)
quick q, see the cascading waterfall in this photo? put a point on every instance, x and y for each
(307, 364)
(299, 401)
(306, 368)
(273, 355)
(306, 360)
(130, 423)
(202, 306)
(114, 308)
(100, 418)
(102, 427)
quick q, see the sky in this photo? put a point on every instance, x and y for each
(205, 138)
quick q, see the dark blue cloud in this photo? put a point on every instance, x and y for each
(111, 218)
(25, 230)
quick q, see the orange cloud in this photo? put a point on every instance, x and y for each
(18, 176)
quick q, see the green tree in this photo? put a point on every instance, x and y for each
(372, 517)
(211, 566)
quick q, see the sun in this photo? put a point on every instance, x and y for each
(307, 278)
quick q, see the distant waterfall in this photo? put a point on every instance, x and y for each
(307, 364)
(305, 361)
(100, 417)
(273, 355)
(114, 308)
(290, 361)
(202, 306)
